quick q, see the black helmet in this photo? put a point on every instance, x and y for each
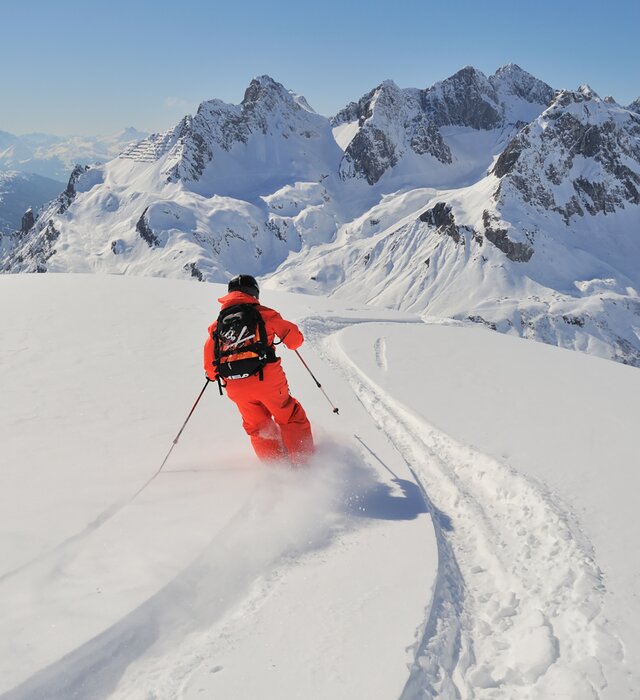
(246, 284)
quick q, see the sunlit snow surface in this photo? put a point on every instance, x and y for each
(466, 528)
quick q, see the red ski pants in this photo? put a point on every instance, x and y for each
(275, 421)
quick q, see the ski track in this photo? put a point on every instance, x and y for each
(158, 645)
(517, 607)
(94, 669)
(381, 354)
(66, 547)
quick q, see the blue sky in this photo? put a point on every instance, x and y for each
(96, 66)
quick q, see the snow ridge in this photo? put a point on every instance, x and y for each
(502, 618)
(152, 148)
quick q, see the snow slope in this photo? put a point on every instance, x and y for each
(109, 594)
(530, 453)
(466, 530)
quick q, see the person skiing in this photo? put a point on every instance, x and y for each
(239, 354)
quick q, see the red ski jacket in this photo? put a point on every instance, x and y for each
(274, 324)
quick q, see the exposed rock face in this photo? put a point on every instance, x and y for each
(426, 138)
(69, 194)
(33, 255)
(21, 191)
(441, 217)
(514, 250)
(146, 232)
(635, 106)
(509, 157)
(36, 243)
(393, 123)
(370, 154)
(27, 222)
(465, 99)
(583, 141)
(511, 81)
(194, 271)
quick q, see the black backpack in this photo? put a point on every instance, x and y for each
(241, 347)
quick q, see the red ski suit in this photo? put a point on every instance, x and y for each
(261, 402)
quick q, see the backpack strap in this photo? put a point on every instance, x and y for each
(262, 330)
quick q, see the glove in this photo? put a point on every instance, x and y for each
(293, 340)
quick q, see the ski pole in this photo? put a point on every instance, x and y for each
(335, 410)
(175, 442)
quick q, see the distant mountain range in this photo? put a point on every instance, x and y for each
(35, 168)
(495, 200)
(55, 157)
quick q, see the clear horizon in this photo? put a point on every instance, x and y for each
(89, 69)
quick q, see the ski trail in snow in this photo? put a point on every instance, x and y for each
(237, 566)
(381, 353)
(93, 669)
(66, 546)
(67, 543)
(517, 609)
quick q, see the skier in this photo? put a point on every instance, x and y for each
(239, 353)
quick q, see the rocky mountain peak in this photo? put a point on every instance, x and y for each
(267, 108)
(392, 122)
(511, 80)
(468, 76)
(509, 69)
(266, 91)
(581, 156)
(588, 92)
(387, 101)
(635, 106)
(385, 98)
(467, 98)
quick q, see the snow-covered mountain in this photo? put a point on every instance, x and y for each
(545, 246)
(441, 136)
(484, 199)
(55, 156)
(234, 182)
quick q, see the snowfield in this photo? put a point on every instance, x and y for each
(467, 527)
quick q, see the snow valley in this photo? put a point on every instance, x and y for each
(491, 200)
